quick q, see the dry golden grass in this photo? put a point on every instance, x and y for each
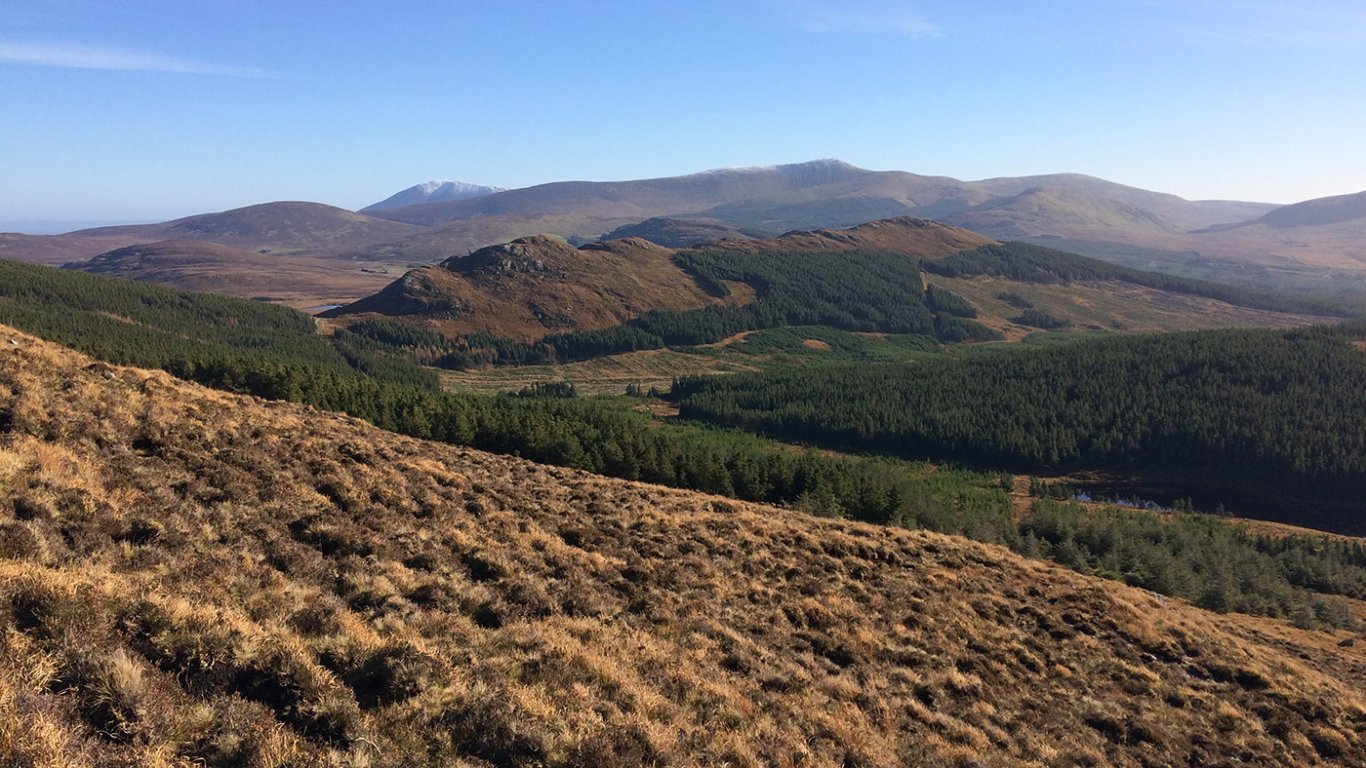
(189, 577)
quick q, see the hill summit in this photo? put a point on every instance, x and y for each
(534, 285)
(433, 192)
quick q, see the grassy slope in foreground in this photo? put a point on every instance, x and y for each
(192, 575)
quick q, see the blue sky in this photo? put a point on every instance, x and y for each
(144, 109)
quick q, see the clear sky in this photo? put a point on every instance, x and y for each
(149, 109)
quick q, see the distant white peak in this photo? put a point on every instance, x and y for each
(435, 192)
(433, 187)
(828, 162)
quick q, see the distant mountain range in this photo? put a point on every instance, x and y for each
(1318, 242)
(433, 192)
(1136, 227)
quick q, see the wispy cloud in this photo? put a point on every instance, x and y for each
(79, 56)
(865, 17)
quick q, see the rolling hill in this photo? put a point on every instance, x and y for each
(540, 287)
(54, 250)
(195, 265)
(533, 286)
(1315, 243)
(537, 285)
(680, 232)
(1320, 212)
(285, 227)
(820, 194)
(190, 576)
(285, 252)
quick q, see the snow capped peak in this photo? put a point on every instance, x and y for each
(828, 165)
(434, 192)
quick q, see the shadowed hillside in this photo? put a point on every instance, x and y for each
(198, 577)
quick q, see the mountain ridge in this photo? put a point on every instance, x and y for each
(1220, 240)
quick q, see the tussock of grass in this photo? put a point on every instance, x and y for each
(194, 577)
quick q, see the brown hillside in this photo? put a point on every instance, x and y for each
(1109, 305)
(538, 285)
(201, 266)
(905, 235)
(54, 250)
(285, 227)
(680, 232)
(189, 577)
(298, 227)
(1320, 212)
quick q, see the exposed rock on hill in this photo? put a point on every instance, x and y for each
(537, 285)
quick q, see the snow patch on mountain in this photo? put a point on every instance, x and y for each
(434, 192)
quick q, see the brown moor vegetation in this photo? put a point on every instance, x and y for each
(194, 265)
(535, 285)
(191, 577)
